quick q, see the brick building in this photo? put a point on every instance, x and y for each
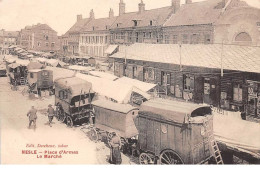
(194, 72)
(143, 26)
(95, 36)
(7, 38)
(40, 37)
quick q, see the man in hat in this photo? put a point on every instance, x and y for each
(32, 114)
(115, 154)
(50, 112)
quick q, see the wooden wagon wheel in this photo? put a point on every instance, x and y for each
(145, 159)
(69, 121)
(94, 135)
(168, 157)
(62, 117)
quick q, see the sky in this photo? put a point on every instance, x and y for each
(61, 14)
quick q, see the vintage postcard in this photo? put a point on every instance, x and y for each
(131, 82)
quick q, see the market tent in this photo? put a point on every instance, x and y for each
(103, 75)
(35, 65)
(52, 62)
(139, 84)
(10, 58)
(22, 62)
(60, 72)
(111, 49)
(80, 68)
(12, 46)
(105, 87)
(234, 136)
(30, 56)
(14, 65)
(42, 60)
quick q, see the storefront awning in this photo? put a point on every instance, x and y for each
(111, 49)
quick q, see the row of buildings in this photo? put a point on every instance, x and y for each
(206, 22)
(40, 37)
(203, 52)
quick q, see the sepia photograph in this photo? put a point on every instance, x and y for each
(129, 82)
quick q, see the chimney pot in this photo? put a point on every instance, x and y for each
(141, 7)
(79, 17)
(121, 7)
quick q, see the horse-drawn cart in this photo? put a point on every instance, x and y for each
(72, 99)
(116, 118)
(172, 132)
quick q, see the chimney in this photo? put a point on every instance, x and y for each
(176, 4)
(79, 17)
(111, 13)
(188, 1)
(141, 7)
(121, 7)
(91, 14)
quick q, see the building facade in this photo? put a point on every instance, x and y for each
(95, 36)
(40, 37)
(71, 38)
(7, 38)
(183, 73)
(143, 26)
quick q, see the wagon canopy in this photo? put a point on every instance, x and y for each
(75, 85)
(174, 111)
(35, 65)
(115, 117)
(144, 86)
(13, 65)
(23, 62)
(117, 91)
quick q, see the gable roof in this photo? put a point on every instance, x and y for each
(42, 26)
(237, 58)
(99, 24)
(158, 16)
(11, 33)
(205, 12)
(78, 26)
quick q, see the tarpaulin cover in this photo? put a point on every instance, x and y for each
(243, 135)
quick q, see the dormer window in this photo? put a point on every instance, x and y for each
(151, 23)
(93, 28)
(118, 25)
(106, 26)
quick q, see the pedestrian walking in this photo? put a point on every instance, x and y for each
(32, 114)
(50, 112)
(115, 154)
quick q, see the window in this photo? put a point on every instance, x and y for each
(185, 39)
(63, 94)
(135, 22)
(52, 44)
(237, 92)
(39, 44)
(243, 37)
(175, 39)
(46, 44)
(47, 38)
(195, 39)
(167, 39)
(151, 23)
(188, 82)
(93, 28)
(135, 75)
(31, 75)
(207, 39)
(148, 74)
(150, 35)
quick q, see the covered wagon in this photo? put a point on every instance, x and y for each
(72, 99)
(173, 132)
(111, 117)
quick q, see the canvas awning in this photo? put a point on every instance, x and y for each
(139, 84)
(22, 62)
(80, 68)
(111, 49)
(35, 65)
(52, 62)
(42, 60)
(106, 88)
(14, 65)
(104, 75)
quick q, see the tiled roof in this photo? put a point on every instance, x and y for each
(41, 26)
(99, 24)
(78, 26)
(205, 12)
(11, 33)
(158, 16)
(238, 58)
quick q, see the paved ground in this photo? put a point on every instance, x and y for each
(15, 135)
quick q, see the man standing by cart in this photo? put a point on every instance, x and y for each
(50, 112)
(32, 114)
(115, 154)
